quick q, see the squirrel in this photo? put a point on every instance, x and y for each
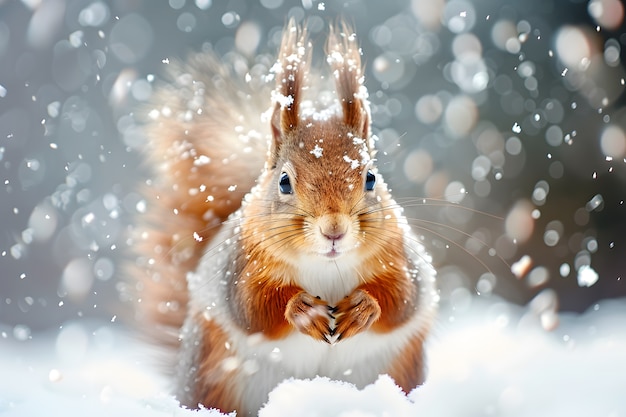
(271, 247)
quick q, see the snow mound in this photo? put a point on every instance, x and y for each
(325, 397)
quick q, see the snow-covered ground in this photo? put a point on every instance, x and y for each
(486, 358)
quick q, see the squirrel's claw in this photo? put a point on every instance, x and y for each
(309, 315)
(355, 313)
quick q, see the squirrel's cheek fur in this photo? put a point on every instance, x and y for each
(315, 273)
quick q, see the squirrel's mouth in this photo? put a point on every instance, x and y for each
(337, 249)
(332, 254)
(334, 251)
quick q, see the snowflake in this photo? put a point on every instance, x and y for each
(317, 151)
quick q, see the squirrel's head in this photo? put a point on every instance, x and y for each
(323, 193)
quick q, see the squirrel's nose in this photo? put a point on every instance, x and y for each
(333, 228)
(334, 236)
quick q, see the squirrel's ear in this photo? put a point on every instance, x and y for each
(290, 70)
(344, 57)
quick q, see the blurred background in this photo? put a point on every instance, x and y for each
(501, 126)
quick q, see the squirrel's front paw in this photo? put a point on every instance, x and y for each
(309, 315)
(355, 313)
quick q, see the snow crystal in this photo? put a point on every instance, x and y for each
(521, 267)
(76, 38)
(317, 151)
(201, 160)
(595, 202)
(88, 218)
(282, 100)
(308, 111)
(335, 57)
(354, 163)
(587, 276)
(141, 206)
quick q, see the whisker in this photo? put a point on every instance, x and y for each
(185, 239)
(413, 221)
(291, 231)
(482, 263)
(417, 222)
(378, 239)
(414, 203)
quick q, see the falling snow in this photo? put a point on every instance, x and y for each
(501, 131)
(587, 276)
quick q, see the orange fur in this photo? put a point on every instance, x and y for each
(395, 296)
(217, 383)
(407, 369)
(261, 303)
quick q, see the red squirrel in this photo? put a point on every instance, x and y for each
(273, 248)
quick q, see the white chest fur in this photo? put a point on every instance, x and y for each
(331, 280)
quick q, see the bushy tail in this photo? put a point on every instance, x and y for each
(206, 146)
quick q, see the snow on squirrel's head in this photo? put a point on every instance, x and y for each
(321, 177)
(293, 117)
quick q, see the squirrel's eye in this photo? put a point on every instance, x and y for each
(370, 180)
(284, 184)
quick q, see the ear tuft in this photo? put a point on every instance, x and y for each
(290, 69)
(344, 57)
